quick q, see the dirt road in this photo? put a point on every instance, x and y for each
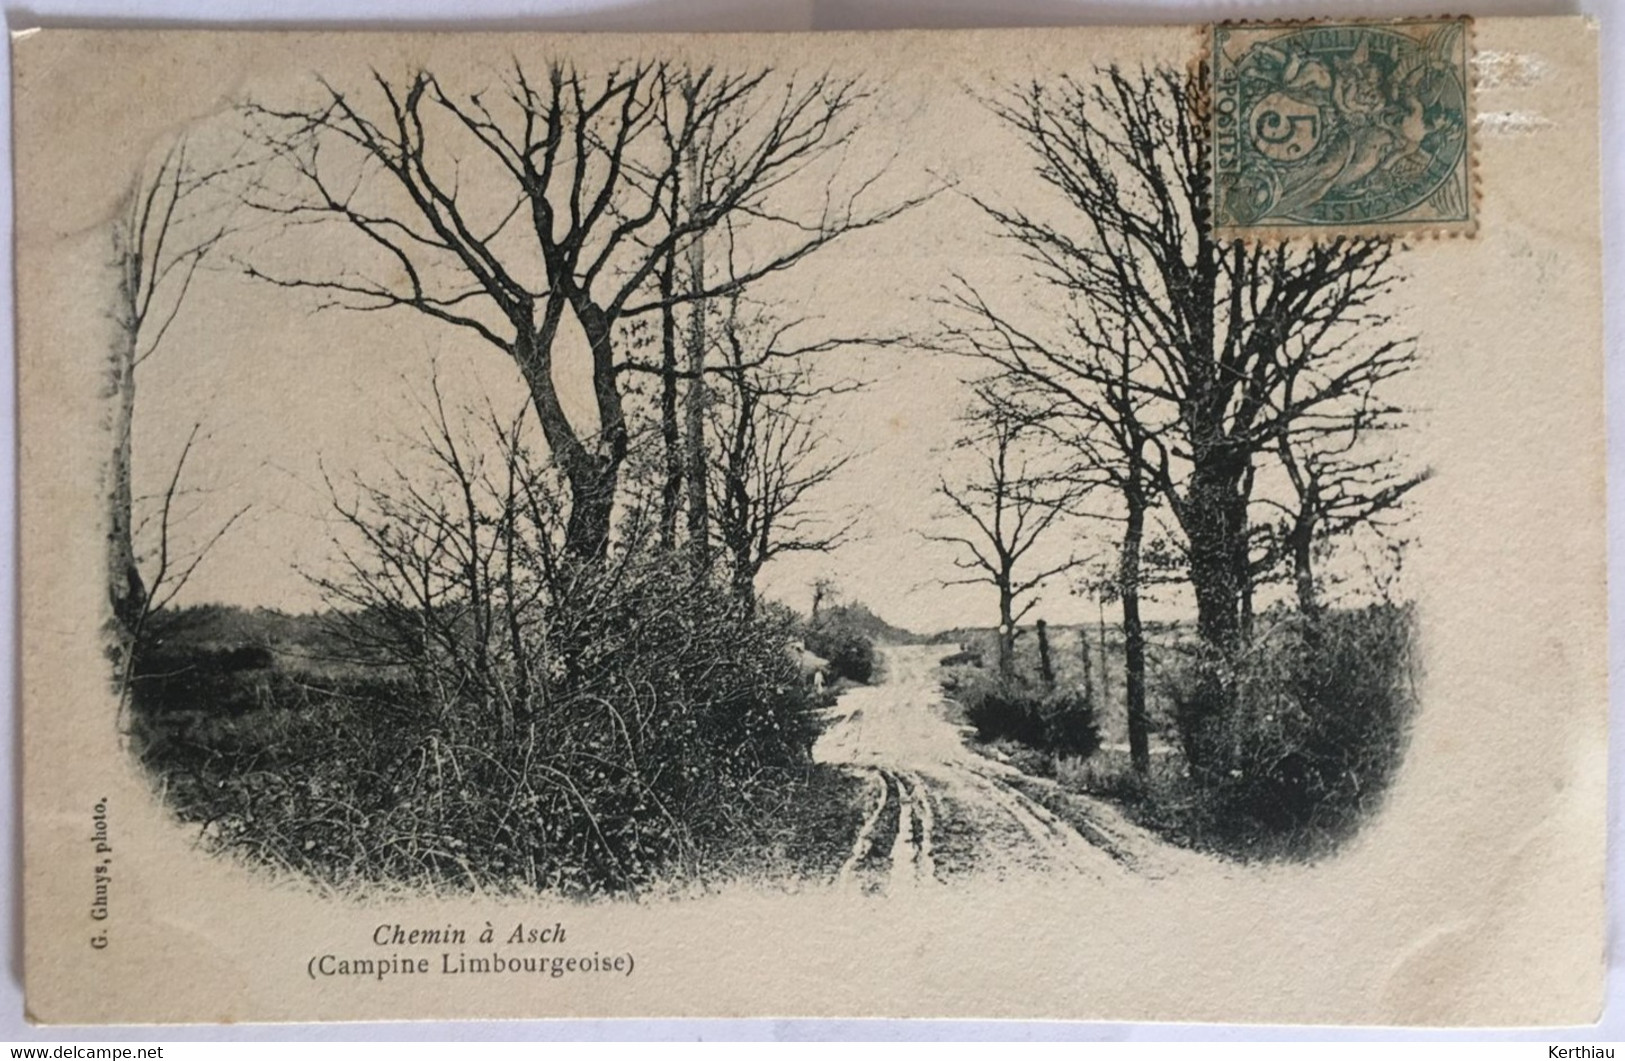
(937, 810)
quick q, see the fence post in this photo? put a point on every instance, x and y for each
(1045, 670)
(1088, 665)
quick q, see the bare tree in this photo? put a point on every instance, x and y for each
(768, 457)
(1084, 402)
(505, 212)
(671, 493)
(695, 401)
(1011, 505)
(1190, 360)
(166, 228)
(1339, 486)
(824, 591)
(444, 565)
(1234, 344)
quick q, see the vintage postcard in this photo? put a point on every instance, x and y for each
(1090, 523)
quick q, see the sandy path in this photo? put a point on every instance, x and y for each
(936, 810)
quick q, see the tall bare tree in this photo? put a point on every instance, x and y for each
(1235, 344)
(1098, 418)
(1339, 485)
(1206, 354)
(1011, 505)
(768, 457)
(165, 230)
(671, 439)
(506, 212)
(699, 500)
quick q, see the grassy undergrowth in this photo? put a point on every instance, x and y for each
(1289, 767)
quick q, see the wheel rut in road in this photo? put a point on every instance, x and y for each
(898, 804)
(934, 810)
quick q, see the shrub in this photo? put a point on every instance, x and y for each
(1302, 739)
(835, 636)
(1058, 720)
(662, 716)
(478, 707)
(1108, 773)
(1069, 720)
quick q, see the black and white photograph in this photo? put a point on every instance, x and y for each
(904, 494)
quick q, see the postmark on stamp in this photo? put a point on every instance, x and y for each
(1332, 128)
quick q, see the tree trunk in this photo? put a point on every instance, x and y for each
(1213, 512)
(1243, 559)
(1303, 566)
(671, 494)
(1214, 520)
(734, 516)
(699, 507)
(1088, 664)
(1128, 588)
(592, 506)
(1046, 670)
(1007, 631)
(744, 585)
(1105, 664)
(127, 592)
(821, 589)
(699, 516)
(592, 476)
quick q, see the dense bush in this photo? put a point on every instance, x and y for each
(1053, 720)
(476, 707)
(1301, 737)
(837, 636)
(211, 679)
(965, 657)
(659, 714)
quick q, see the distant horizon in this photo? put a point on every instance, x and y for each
(1113, 616)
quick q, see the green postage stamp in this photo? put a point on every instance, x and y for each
(1339, 128)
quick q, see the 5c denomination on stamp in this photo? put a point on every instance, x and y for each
(1354, 128)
